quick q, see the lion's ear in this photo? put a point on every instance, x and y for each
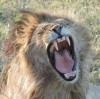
(21, 32)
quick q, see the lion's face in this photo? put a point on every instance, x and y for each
(55, 45)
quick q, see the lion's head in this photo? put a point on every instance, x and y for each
(49, 49)
(54, 45)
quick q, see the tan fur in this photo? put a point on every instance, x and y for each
(29, 74)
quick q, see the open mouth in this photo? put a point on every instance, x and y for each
(61, 54)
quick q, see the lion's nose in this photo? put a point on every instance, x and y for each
(57, 29)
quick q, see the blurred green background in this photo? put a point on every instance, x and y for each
(88, 11)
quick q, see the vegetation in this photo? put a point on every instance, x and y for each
(88, 11)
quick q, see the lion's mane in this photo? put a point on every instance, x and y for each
(28, 75)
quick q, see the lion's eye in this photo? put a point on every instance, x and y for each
(40, 32)
(42, 29)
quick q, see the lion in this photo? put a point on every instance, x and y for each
(49, 59)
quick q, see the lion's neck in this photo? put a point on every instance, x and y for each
(61, 92)
(23, 86)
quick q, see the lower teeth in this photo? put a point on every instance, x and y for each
(71, 74)
(66, 76)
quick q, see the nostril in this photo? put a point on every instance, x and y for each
(57, 29)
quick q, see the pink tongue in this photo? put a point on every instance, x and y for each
(63, 62)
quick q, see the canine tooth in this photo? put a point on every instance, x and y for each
(60, 40)
(56, 46)
(66, 75)
(67, 38)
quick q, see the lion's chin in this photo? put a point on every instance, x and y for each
(62, 56)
